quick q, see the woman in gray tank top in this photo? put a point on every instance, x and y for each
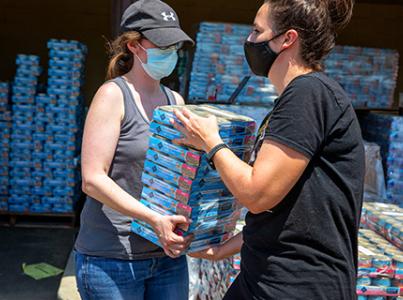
(111, 261)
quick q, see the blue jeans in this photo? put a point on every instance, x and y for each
(113, 279)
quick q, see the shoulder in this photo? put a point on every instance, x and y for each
(108, 100)
(178, 98)
(317, 88)
(109, 91)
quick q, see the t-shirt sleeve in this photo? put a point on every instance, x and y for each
(297, 120)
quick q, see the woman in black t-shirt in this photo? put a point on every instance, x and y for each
(303, 186)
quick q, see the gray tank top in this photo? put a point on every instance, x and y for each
(105, 232)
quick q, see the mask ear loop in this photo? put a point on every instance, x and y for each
(144, 51)
(276, 36)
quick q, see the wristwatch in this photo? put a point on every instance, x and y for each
(213, 152)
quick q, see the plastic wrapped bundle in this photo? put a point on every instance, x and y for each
(257, 113)
(194, 277)
(368, 75)
(219, 65)
(386, 220)
(387, 132)
(379, 266)
(374, 175)
(179, 180)
(214, 279)
(21, 144)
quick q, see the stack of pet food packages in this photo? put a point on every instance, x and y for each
(59, 122)
(179, 181)
(387, 131)
(5, 130)
(368, 75)
(380, 267)
(24, 89)
(386, 220)
(46, 131)
(219, 66)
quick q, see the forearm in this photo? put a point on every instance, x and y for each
(237, 176)
(102, 188)
(231, 247)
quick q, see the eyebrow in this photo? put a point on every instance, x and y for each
(258, 26)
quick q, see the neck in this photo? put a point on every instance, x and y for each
(284, 71)
(141, 81)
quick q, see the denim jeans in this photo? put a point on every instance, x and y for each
(113, 279)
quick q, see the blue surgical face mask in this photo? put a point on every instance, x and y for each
(160, 63)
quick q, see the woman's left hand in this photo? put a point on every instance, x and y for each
(199, 133)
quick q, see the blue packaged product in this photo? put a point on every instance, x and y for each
(165, 188)
(189, 156)
(18, 207)
(41, 191)
(165, 131)
(229, 123)
(208, 194)
(26, 80)
(165, 202)
(40, 208)
(57, 208)
(144, 232)
(168, 176)
(172, 164)
(27, 59)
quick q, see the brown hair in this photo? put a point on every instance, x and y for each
(316, 21)
(121, 59)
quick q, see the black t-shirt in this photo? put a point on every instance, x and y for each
(306, 248)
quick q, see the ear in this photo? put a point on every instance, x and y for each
(134, 47)
(290, 37)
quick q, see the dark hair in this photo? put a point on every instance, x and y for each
(316, 21)
(121, 59)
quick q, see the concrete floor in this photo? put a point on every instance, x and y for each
(32, 245)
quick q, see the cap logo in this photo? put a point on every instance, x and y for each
(168, 17)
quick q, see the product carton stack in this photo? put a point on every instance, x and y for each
(23, 126)
(368, 75)
(380, 267)
(387, 132)
(59, 121)
(219, 66)
(179, 180)
(384, 219)
(5, 131)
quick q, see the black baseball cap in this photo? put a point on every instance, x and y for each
(156, 21)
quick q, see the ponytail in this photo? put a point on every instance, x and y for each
(316, 21)
(121, 59)
(340, 13)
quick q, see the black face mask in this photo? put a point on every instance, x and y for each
(260, 56)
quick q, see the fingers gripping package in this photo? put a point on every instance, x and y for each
(179, 180)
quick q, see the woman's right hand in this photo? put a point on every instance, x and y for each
(173, 244)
